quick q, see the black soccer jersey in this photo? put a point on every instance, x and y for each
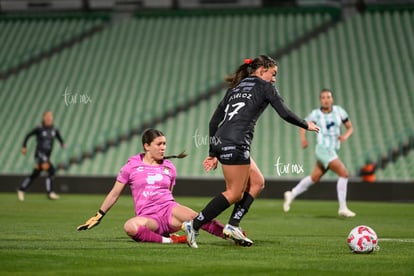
(235, 118)
(45, 137)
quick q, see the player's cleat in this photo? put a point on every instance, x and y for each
(178, 239)
(236, 234)
(288, 200)
(53, 196)
(20, 195)
(345, 212)
(190, 234)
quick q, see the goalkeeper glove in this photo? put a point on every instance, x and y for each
(93, 221)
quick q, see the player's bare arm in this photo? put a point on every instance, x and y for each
(348, 133)
(113, 196)
(304, 141)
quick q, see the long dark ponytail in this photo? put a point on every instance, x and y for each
(248, 67)
(149, 136)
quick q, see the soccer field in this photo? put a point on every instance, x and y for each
(39, 237)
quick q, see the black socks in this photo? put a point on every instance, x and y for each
(214, 208)
(240, 209)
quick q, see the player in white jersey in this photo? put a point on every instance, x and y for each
(329, 118)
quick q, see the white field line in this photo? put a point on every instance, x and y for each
(396, 240)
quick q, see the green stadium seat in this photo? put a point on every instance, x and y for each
(139, 68)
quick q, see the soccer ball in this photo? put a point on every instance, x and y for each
(362, 239)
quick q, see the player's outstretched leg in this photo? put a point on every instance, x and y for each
(213, 227)
(300, 188)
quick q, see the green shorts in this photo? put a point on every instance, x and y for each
(325, 155)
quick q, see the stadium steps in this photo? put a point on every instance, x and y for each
(397, 161)
(390, 34)
(401, 168)
(32, 66)
(76, 153)
(190, 93)
(173, 112)
(36, 38)
(361, 82)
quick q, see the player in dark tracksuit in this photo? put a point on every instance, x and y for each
(45, 136)
(231, 132)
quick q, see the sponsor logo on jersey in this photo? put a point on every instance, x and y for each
(329, 125)
(147, 194)
(152, 178)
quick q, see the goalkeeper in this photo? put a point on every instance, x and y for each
(151, 178)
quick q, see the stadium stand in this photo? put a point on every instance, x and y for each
(100, 68)
(34, 37)
(350, 60)
(111, 85)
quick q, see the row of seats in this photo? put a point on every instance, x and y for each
(139, 68)
(133, 71)
(208, 68)
(369, 71)
(402, 168)
(26, 38)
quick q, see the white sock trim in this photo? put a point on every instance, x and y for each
(341, 189)
(302, 186)
(166, 240)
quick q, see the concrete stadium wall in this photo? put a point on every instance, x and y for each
(357, 190)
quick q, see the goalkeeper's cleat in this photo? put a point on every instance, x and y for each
(190, 234)
(52, 196)
(288, 200)
(236, 234)
(345, 212)
(20, 195)
(178, 239)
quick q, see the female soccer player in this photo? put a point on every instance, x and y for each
(233, 122)
(45, 135)
(151, 178)
(330, 117)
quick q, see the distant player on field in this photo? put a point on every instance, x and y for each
(45, 135)
(151, 178)
(329, 117)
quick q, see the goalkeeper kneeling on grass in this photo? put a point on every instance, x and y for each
(151, 178)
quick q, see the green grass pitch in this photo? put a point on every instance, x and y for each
(39, 237)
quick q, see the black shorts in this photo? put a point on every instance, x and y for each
(232, 155)
(42, 157)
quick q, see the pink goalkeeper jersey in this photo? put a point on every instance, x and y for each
(150, 185)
